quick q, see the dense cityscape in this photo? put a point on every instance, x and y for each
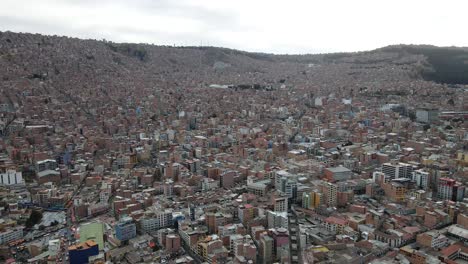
(132, 153)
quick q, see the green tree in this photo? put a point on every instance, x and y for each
(34, 218)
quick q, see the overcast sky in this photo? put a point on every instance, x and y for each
(283, 26)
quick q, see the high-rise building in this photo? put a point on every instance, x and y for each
(172, 242)
(421, 178)
(277, 219)
(427, 115)
(330, 191)
(266, 248)
(397, 170)
(395, 191)
(311, 200)
(226, 179)
(11, 234)
(306, 200)
(125, 229)
(245, 213)
(11, 177)
(445, 188)
(211, 248)
(280, 203)
(458, 192)
(286, 183)
(281, 239)
(215, 220)
(153, 221)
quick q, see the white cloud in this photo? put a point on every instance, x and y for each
(295, 26)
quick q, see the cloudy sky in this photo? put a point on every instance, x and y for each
(276, 26)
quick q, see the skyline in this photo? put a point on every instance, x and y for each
(300, 27)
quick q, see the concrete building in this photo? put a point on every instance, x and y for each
(11, 177)
(339, 173)
(445, 188)
(11, 234)
(125, 229)
(286, 183)
(215, 220)
(245, 213)
(173, 242)
(153, 221)
(226, 179)
(395, 191)
(47, 164)
(330, 192)
(258, 188)
(266, 248)
(306, 200)
(277, 219)
(421, 178)
(427, 115)
(397, 170)
(280, 204)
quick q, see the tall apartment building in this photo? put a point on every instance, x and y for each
(226, 179)
(280, 203)
(397, 170)
(245, 213)
(266, 248)
(427, 115)
(445, 188)
(215, 220)
(306, 200)
(11, 234)
(458, 192)
(286, 183)
(395, 191)
(311, 199)
(11, 177)
(421, 178)
(48, 164)
(330, 192)
(153, 221)
(258, 188)
(277, 219)
(125, 229)
(173, 242)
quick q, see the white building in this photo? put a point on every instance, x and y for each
(277, 219)
(427, 115)
(397, 170)
(445, 188)
(11, 177)
(11, 234)
(286, 183)
(153, 221)
(47, 164)
(258, 188)
(104, 195)
(209, 184)
(421, 178)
